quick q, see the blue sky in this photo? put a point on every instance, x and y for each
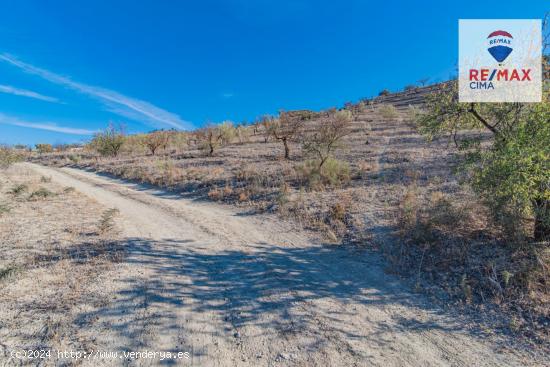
(67, 68)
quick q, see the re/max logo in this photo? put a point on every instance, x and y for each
(500, 75)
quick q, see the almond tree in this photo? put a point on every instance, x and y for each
(328, 137)
(109, 141)
(287, 127)
(209, 138)
(155, 140)
(213, 136)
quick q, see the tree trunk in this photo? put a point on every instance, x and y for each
(323, 160)
(542, 220)
(211, 150)
(287, 151)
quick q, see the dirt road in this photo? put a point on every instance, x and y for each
(236, 290)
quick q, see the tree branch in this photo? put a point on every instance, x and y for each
(473, 111)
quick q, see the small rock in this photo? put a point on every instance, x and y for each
(287, 356)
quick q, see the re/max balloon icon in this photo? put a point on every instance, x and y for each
(500, 45)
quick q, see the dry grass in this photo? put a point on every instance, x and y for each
(448, 240)
(52, 262)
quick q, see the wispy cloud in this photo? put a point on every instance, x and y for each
(228, 95)
(50, 126)
(114, 101)
(26, 93)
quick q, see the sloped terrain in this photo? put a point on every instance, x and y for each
(233, 290)
(394, 178)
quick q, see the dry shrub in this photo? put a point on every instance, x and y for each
(243, 196)
(413, 113)
(227, 190)
(170, 174)
(8, 157)
(339, 215)
(258, 182)
(221, 193)
(333, 173)
(74, 158)
(367, 166)
(388, 111)
(215, 194)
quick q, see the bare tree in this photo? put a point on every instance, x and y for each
(155, 140)
(287, 127)
(423, 81)
(262, 126)
(324, 141)
(210, 138)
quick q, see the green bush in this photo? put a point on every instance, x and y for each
(514, 175)
(512, 172)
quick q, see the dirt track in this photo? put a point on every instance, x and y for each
(249, 291)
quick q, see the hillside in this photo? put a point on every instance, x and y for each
(388, 189)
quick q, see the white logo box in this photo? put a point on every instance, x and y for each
(482, 77)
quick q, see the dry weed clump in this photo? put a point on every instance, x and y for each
(4, 208)
(18, 189)
(9, 271)
(107, 222)
(169, 173)
(69, 190)
(41, 194)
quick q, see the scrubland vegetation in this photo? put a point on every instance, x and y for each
(455, 195)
